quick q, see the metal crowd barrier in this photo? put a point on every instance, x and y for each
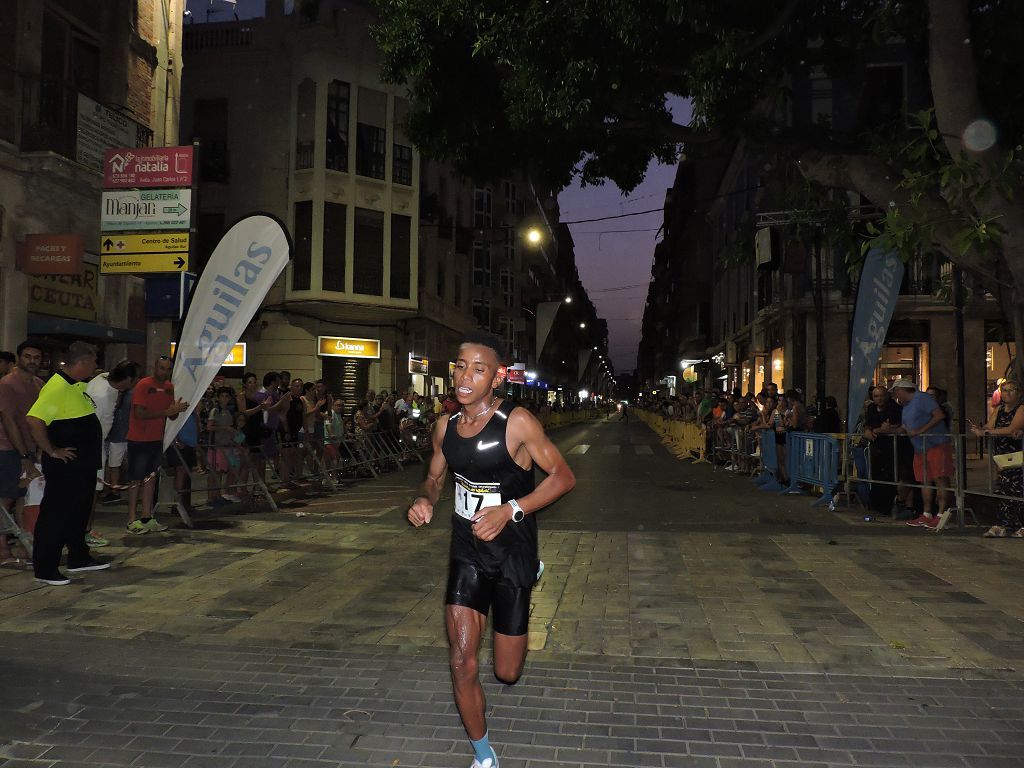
(841, 467)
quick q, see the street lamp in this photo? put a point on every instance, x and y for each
(583, 325)
(568, 299)
(533, 236)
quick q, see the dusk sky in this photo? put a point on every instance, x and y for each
(614, 259)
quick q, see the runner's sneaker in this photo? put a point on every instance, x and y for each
(540, 571)
(136, 527)
(154, 525)
(54, 579)
(488, 763)
(93, 539)
(919, 522)
(92, 564)
(943, 519)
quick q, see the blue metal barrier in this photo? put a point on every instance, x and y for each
(768, 480)
(813, 459)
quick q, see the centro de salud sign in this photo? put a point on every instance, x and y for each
(340, 346)
(142, 209)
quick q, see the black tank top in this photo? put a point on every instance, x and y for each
(486, 475)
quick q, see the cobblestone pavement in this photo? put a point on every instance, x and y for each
(684, 619)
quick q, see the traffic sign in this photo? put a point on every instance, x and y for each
(131, 209)
(140, 263)
(157, 242)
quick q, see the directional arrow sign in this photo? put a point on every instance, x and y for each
(133, 209)
(156, 242)
(142, 263)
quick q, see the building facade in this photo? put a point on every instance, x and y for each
(76, 79)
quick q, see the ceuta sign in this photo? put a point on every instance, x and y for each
(129, 167)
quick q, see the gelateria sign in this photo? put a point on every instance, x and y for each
(341, 346)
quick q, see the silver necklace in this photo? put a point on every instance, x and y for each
(484, 412)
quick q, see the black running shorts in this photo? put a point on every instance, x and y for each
(142, 459)
(471, 587)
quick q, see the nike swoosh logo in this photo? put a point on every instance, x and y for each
(482, 446)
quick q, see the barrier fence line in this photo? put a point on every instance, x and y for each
(839, 464)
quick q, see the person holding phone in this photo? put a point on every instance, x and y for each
(1006, 425)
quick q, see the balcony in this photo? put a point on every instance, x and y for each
(57, 118)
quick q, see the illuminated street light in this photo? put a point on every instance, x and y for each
(533, 235)
(583, 325)
(568, 299)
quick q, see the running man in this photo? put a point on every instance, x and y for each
(491, 446)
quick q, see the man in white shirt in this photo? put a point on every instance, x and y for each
(404, 405)
(104, 390)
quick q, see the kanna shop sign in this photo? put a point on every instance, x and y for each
(342, 346)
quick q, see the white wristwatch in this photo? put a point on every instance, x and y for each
(517, 511)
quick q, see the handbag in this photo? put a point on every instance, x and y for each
(1006, 461)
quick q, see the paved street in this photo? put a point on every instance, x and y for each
(685, 619)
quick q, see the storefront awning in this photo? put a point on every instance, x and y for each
(44, 325)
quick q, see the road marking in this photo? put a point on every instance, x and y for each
(611, 449)
(581, 448)
(643, 450)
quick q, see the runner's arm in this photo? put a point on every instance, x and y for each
(560, 478)
(431, 487)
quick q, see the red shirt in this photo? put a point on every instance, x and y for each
(153, 396)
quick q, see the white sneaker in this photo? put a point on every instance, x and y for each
(232, 498)
(540, 571)
(488, 763)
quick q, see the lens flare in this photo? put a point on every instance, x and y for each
(980, 135)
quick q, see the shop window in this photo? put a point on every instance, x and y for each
(305, 116)
(903, 361)
(368, 253)
(338, 96)
(303, 235)
(334, 246)
(401, 227)
(210, 127)
(371, 134)
(778, 366)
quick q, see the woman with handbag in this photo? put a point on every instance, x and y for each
(1006, 425)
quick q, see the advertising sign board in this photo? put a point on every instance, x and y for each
(340, 346)
(126, 167)
(145, 209)
(72, 296)
(52, 255)
(419, 365)
(236, 357)
(98, 128)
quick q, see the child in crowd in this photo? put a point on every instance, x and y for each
(221, 428)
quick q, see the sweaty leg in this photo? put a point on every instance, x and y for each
(509, 657)
(465, 628)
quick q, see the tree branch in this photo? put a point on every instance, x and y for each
(954, 77)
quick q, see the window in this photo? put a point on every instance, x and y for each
(510, 246)
(401, 228)
(508, 288)
(505, 331)
(482, 313)
(401, 163)
(481, 265)
(511, 198)
(482, 217)
(305, 135)
(337, 125)
(210, 126)
(303, 258)
(334, 247)
(368, 253)
(371, 136)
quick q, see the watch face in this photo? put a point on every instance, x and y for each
(517, 516)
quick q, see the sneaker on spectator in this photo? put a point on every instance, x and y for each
(54, 578)
(906, 514)
(943, 519)
(93, 539)
(136, 527)
(92, 564)
(920, 521)
(232, 498)
(110, 498)
(932, 522)
(154, 525)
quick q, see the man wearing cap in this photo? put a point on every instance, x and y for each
(924, 423)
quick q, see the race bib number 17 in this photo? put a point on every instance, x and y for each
(471, 497)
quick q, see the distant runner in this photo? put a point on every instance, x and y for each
(491, 446)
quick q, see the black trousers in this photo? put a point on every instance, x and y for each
(63, 514)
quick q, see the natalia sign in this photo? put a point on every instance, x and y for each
(341, 346)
